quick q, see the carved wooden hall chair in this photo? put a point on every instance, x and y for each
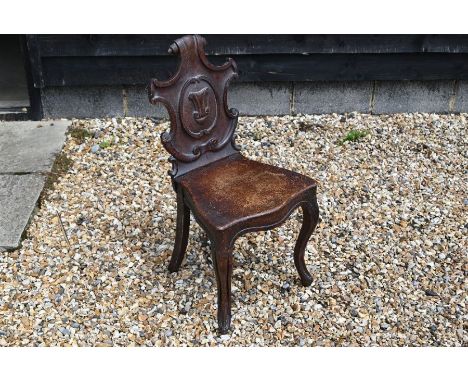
(227, 194)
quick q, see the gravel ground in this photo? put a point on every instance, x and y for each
(388, 257)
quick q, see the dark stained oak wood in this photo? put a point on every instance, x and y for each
(222, 261)
(235, 193)
(227, 193)
(310, 214)
(196, 100)
(182, 233)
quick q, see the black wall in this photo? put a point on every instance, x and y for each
(95, 60)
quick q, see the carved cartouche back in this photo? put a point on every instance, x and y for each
(202, 125)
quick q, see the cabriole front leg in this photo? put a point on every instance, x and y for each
(222, 261)
(310, 219)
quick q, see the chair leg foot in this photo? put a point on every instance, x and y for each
(222, 261)
(182, 234)
(310, 220)
(224, 324)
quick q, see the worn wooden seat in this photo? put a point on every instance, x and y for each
(227, 194)
(237, 193)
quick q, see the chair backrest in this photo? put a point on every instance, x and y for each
(202, 125)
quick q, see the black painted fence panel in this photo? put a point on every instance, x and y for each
(72, 71)
(157, 45)
(88, 60)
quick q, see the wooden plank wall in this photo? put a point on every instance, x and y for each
(87, 60)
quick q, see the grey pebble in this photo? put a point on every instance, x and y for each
(384, 326)
(95, 149)
(430, 292)
(378, 304)
(65, 331)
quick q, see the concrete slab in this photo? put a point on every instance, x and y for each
(461, 102)
(18, 197)
(27, 148)
(137, 104)
(412, 96)
(269, 98)
(27, 153)
(83, 102)
(324, 97)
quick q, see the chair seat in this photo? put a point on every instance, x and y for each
(235, 189)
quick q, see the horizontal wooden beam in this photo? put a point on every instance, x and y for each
(137, 70)
(157, 45)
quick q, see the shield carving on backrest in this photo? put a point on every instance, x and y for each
(198, 107)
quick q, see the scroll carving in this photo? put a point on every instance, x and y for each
(196, 100)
